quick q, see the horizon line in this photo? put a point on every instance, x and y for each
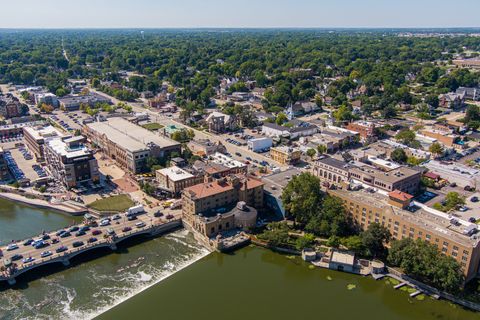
(248, 27)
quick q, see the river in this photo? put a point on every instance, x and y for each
(142, 280)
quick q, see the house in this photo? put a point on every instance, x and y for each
(219, 122)
(469, 93)
(451, 100)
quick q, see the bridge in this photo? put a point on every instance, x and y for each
(109, 236)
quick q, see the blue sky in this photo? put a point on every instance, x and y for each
(239, 13)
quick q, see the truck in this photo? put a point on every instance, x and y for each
(260, 144)
(133, 211)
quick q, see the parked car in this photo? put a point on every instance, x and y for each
(96, 232)
(45, 254)
(65, 234)
(28, 260)
(140, 224)
(12, 246)
(474, 199)
(126, 229)
(16, 257)
(61, 249)
(77, 244)
(92, 240)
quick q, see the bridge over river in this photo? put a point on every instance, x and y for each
(25, 258)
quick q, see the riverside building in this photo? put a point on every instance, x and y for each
(129, 144)
(405, 218)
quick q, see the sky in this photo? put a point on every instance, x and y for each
(238, 14)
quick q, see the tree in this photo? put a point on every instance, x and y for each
(389, 112)
(436, 149)
(331, 220)
(399, 155)
(321, 149)
(406, 136)
(302, 197)
(343, 114)
(354, 243)
(307, 241)
(422, 261)
(276, 234)
(95, 82)
(311, 153)
(281, 118)
(374, 240)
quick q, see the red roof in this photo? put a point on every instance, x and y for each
(432, 175)
(399, 195)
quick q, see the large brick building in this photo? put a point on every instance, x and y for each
(451, 236)
(213, 198)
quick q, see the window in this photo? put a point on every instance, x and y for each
(455, 248)
(454, 254)
(445, 243)
(465, 252)
(464, 258)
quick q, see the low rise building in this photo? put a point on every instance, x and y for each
(175, 179)
(205, 147)
(365, 129)
(259, 144)
(468, 63)
(11, 107)
(457, 173)
(402, 178)
(469, 93)
(332, 170)
(71, 162)
(407, 219)
(47, 98)
(451, 100)
(129, 144)
(219, 122)
(286, 155)
(73, 102)
(212, 198)
(36, 137)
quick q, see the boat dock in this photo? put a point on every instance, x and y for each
(23, 257)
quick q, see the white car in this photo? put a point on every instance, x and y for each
(140, 224)
(45, 254)
(104, 223)
(12, 246)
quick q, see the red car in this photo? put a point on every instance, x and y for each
(96, 232)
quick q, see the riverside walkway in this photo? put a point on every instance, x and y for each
(25, 258)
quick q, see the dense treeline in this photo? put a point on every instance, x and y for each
(196, 60)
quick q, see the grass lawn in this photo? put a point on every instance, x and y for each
(118, 203)
(153, 126)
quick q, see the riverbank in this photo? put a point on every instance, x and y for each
(43, 204)
(256, 283)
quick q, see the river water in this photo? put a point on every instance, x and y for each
(142, 280)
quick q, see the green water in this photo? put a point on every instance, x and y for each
(172, 277)
(256, 283)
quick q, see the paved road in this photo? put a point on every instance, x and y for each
(231, 148)
(117, 225)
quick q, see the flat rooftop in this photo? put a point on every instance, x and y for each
(226, 161)
(426, 218)
(62, 148)
(175, 173)
(129, 135)
(45, 132)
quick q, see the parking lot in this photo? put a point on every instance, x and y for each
(27, 165)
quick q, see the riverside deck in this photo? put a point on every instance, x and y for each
(12, 269)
